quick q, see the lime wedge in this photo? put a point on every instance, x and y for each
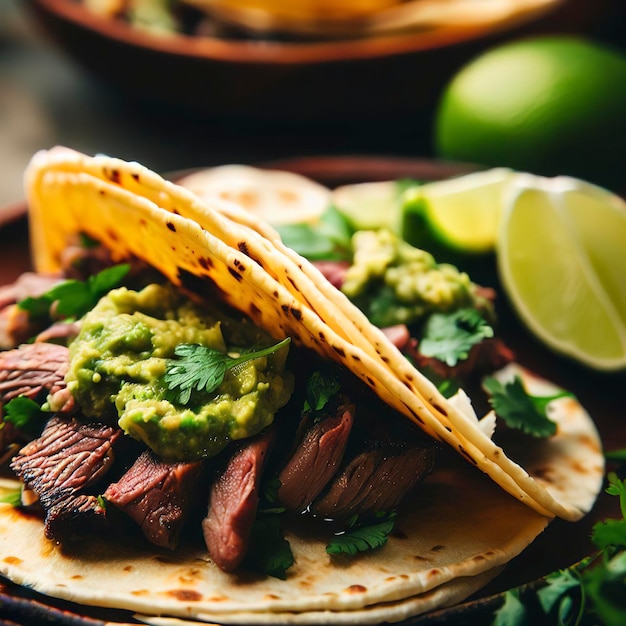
(461, 213)
(561, 254)
(370, 206)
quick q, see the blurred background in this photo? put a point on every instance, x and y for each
(252, 81)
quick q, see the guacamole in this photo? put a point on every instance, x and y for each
(395, 283)
(119, 361)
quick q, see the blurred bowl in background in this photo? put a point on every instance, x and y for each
(388, 73)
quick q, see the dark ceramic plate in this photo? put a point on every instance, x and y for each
(561, 545)
(269, 79)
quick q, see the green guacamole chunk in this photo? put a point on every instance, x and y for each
(119, 360)
(395, 283)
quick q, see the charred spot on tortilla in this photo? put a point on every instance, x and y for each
(467, 455)
(340, 351)
(171, 226)
(244, 248)
(113, 175)
(135, 176)
(235, 274)
(206, 262)
(204, 286)
(439, 409)
(185, 595)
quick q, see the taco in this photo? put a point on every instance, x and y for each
(308, 391)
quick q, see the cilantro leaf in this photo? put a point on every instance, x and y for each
(519, 409)
(328, 239)
(617, 487)
(203, 369)
(74, 298)
(558, 586)
(512, 612)
(361, 538)
(320, 388)
(449, 337)
(22, 412)
(269, 552)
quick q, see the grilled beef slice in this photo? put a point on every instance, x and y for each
(68, 458)
(33, 369)
(315, 459)
(16, 326)
(74, 516)
(233, 502)
(157, 495)
(375, 477)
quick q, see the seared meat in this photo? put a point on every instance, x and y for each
(67, 458)
(157, 496)
(33, 369)
(334, 271)
(60, 332)
(15, 324)
(487, 356)
(233, 502)
(315, 459)
(377, 477)
(74, 516)
(28, 285)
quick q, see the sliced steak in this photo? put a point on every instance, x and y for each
(315, 459)
(334, 271)
(487, 356)
(68, 457)
(233, 502)
(377, 477)
(28, 285)
(157, 495)
(34, 369)
(59, 332)
(15, 324)
(74, 516)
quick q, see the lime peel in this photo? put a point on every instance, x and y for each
(555, 275)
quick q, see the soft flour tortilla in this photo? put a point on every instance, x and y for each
(131, 207)
(453, 533)
(457, 525)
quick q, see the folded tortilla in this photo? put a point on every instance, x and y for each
(289, 296)
(451, 537)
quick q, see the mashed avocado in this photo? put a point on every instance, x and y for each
(119, 360)
(395, 283)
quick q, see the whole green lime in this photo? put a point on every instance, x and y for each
(549, 105)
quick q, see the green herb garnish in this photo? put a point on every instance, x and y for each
(449, 337)
(22, 412)
(203, 369)
(519, 409)
(590, 593)
(360, 537)
(320, 388)
(329, 239)
(74, 298)
(269, 552)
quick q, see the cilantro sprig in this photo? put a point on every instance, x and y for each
(321, 387)
(73, 298)
(590, 593)
(328, 239)
(269, 552)
(449, 337)
(24, 413)
(519, 409)
(200, 368)
(363, 536)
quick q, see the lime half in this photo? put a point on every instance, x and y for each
(461, 213)
(561, 253)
